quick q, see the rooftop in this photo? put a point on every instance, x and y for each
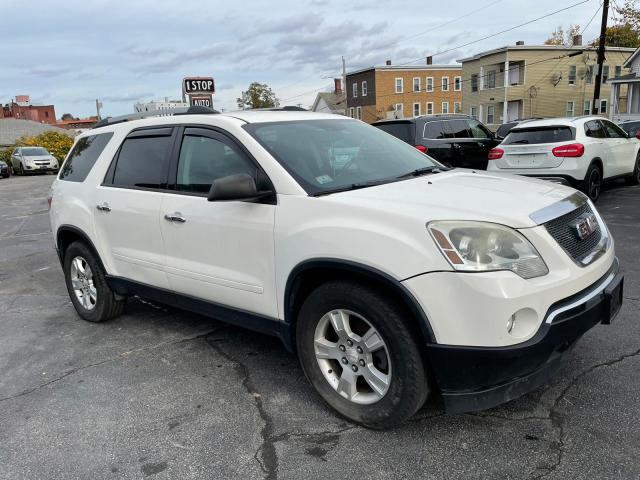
(550, 48)
(408, 68)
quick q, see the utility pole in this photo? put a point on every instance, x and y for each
(603, 32)
(344, 75)
(98, 106)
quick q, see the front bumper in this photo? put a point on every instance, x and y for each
(477, 378)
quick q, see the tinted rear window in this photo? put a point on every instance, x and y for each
(456, 129)
(142, 162)
(539, 135)
(405, 131)
(433, 130)
(83, 156)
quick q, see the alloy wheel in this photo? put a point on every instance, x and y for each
(595, 183)
(352, 356)
(82, 282)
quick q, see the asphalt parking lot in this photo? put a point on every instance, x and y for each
(165, 394)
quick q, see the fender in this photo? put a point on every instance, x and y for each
(374, 274)
(75, 231)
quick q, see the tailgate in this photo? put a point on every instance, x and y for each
(529, 156)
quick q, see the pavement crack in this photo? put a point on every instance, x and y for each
(265, 455)
(102, 362)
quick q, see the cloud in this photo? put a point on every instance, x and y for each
(48, 71)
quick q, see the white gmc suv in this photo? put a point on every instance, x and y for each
(391, 276)
(581, 152)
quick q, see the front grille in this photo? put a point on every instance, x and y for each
(561, 229)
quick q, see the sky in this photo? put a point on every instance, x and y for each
(71, 52)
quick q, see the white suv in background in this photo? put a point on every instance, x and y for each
(391, 276)
(581, 152)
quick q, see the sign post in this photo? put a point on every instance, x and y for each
(200, 91)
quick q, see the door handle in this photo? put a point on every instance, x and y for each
(175, 217)
(104, 207)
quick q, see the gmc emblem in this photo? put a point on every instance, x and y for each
(585, 226)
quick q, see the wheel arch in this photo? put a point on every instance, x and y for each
(597, 161)
(308, 275)
(66, 235)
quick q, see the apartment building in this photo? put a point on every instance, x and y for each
(22, 109)
(400, 91)
(520, 81)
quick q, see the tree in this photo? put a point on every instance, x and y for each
(558, 36)
(68, 116)
(630, 14)
(258, 95)
(626, 31)
(58, 144)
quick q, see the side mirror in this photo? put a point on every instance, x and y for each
(236, 187)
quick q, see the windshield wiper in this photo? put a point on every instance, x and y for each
(422, 171)
(352, 186)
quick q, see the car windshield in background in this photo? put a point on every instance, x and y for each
(529, 136)
(333, 155)
(630, 127)
(33, 151)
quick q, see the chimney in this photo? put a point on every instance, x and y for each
(577, 40)
(388, 62)
(337, 89)
(429, 60)
(520, 42)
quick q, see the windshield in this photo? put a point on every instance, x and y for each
(329, 155)
(33, 151)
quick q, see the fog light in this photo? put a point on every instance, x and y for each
(522, 323)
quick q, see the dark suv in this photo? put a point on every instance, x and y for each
(454, 140)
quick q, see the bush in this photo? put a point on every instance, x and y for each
(58, 144)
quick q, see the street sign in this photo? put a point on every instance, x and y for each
(201, 101)
(198, 85)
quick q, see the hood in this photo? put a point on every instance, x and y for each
(461, 195)
(38, 157)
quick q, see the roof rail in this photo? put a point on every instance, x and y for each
(194, 110)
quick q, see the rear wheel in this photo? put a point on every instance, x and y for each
(358, 351)
(593, 182)
(91, 296)
(20, 169)
(634, 179)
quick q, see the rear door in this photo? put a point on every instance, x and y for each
(532, 147)
(440, 147)
(622, 150)
(470, 142)
(222, 251)
(127, 206)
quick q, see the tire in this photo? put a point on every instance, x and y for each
(398, 360)
(634, 179)
(21, 169)
(95, 302)
(592, 184)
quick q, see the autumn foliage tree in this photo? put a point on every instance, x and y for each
(258, 95)
(57, 143)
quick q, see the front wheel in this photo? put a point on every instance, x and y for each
(359, 352)
(593, 182)
(634, 179)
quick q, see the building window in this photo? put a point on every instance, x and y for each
(618, 70)
(457, 83)
(474, 82)
(351, 112)
(603, 106)
(399, 85)
(571, 108)
(416, 84)
(416, 109)
(359, 113)
(355, 90)
(473, 113)
(429, 84)
(445, 107)
(457, 107)
(605, 73)
(587, 107)
(588, 74)
(364, 88)
(490, 113)
(399, 108)
(445, 84)
(491, 79)
(572, 74)
(429, 108)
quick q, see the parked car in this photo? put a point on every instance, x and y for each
(4, 170)
(581, 152)
(26, 160)
(453, 140)
(390, 278)
(632, 128)
(505, 128)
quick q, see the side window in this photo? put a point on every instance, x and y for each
(613, 131)
(456, 129)
(433, 130)
(204, 159)
(594, 129)
(142, 162)
(83, 157)
(478, 130)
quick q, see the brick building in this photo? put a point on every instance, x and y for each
(402, 91)
(22, 109)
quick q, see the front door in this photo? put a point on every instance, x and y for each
(470, 142)
(621, 148)
(221, 251)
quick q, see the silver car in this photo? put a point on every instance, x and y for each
(26, 160)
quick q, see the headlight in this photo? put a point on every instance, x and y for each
(485, 247)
